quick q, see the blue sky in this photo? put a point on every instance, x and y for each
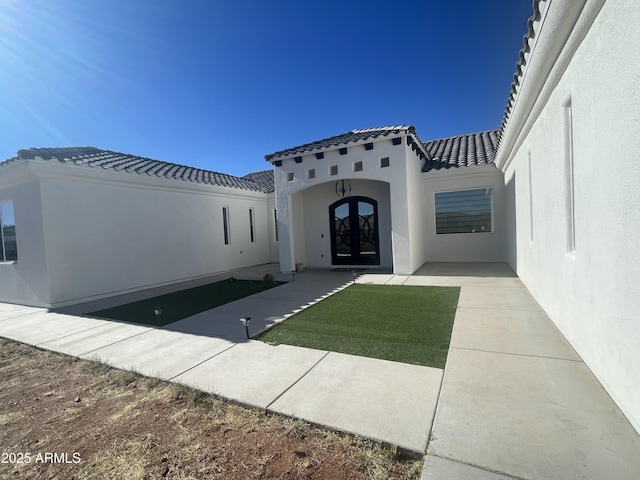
(218, 85)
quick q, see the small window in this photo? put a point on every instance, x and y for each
(252, 233)
(8, 245)
(275, 224)
(290, 177)
(311, 173)
(464, 211)
(357, 166)
(225, 224)
(569, 177)
(530, 181)
(333, 170)
(384, 162)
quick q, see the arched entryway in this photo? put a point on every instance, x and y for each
(354, 231)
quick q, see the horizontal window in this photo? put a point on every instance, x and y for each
(464, 211)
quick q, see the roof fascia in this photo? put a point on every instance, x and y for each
(557, 36)
(354, 143)
(83, 173)
(15, 173)
(460, 172)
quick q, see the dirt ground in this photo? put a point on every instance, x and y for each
(64, 418)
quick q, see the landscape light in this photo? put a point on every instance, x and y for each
(245, 321)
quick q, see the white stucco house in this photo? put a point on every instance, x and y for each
(554, 192)
(91, 223)
(381, 197)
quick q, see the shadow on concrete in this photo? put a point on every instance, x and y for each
(452, 269)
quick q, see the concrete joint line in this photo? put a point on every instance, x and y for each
(42, 344)
(295, 383)
(496, 287)
(503, 308)
(117, 341)
(490, 470)
(517, 354)
(20, 315)
(200, 363)
(435, 411)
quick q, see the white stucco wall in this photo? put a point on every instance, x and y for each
(270, 208)
(24, 281)
(416, 214)
(465, 247)
(107, 232)
(591, 293)
(303, 203)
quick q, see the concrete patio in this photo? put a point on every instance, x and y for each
(514, 401)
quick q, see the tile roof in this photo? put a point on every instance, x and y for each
(344, 139)
(96, 157)
(461, 151)
(538, 6)
(262, 177)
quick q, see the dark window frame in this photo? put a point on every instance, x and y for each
(225, 225)
(8, 241)
(464, 211)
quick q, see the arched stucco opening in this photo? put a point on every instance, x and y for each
(310, 222)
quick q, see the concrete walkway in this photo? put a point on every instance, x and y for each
(515, 400)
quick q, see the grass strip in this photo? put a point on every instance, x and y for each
(407, 324)
(178, 305)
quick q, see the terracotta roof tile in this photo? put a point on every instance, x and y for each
(262, 177)
(461, 151)
(344, 139)
(538, 6)
(94, 157)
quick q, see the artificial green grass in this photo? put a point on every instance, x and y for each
(178, 305)
(400, 323)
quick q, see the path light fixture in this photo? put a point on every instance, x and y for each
(354, 274)
(245, 322)
(158, 312)
(293, 275)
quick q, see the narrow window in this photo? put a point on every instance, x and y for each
(530, 180)
(275, 224)
(251, 229)
(569, 178)
(464, 211)
(225, 224)
(357, 166)
(311, 173)
(290, 177)
(8, 245)
(333, 170)
(384, 162)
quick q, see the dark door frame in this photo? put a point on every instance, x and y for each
(353, 237)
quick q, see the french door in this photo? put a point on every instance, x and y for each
(354, 231)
